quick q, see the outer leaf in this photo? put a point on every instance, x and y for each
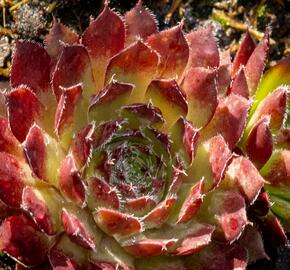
(160, 263)
(24, 108)
(104, 38)
(224, 73)
(240, 85)
(104, 106)
(203, 48)
(58, 33)
(244, 176)
(140, 23)
(137, 64)
(259, 145)
(173, 50)
(229, 120)
(243, 54)
(199, 85)
(21, 240)
(30, 58)
(74, 60)
(256, 63)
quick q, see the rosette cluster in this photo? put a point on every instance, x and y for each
(128, 148)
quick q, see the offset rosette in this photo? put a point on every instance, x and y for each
(128, 148)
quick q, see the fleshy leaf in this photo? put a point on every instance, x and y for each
(195, 241)
(240, 85)
(277, 169)
(229, 120)
(243, 175)
(66, 255)
(149, 247)
(259, 145)
(74, 60)
(192, 203)
(228, 209)
(210, 162)
(173, 50)
(159, 214)
(43, 204)
(199, 85)
(104, 38)
(140, 23)
(21, 240)
(102, 195)
(13, 178)
(82, 144)
(116, 223)
(224, 73)
(104, 106)
(70, 181)
(136, 64)
(70, 114)
(203, 48)
(166, 95)
(80, 227)
(243, 54)
(30, 58)
(256, 63)
(160, 263)
(24, 108)
(274, 105)
(276, 76)
(58, 33)
(8, 143)
(184, 140)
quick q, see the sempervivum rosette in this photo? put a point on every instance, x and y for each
(129, 148)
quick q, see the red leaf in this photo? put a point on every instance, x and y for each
(173, 50)
(240, 85)
(24, 108)
(140, 23)
(31, 67)
(203, 48)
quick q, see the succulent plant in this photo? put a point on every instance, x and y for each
(129, 148)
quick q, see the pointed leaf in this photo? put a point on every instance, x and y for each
(173, 50)
(80, 227)
(43, 204)
(74, 60)
(24, 108)
(136, 64)
(195, 241)
(228, 209)
(166, 95)
(242, 174)
(13, 178)
(21, 240)
(229, 120)
(203, 48)
(184, 140)
(116, 223)
(58, 33)
(8, 143)
(70, 181)
(82, 145)
(224, 73)
(140, 23)
(210, 162)
(104, 106)
(259, 145)
(256, 63)
(149, 247)
(200, 87)
(240, 85)
(102, 195)
(30, 58)
(243, 54)
(104, 38)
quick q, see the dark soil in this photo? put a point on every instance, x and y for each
(32, 20)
